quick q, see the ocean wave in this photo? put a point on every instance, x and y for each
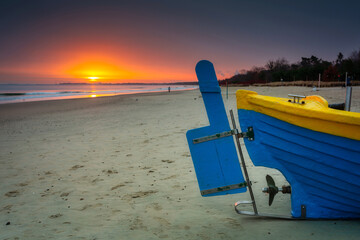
(26, 95)
(42, 93)
(12, 94)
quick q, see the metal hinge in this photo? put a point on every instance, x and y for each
(249, 134)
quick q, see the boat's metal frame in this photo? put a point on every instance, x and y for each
(250, 135)
(255, 213)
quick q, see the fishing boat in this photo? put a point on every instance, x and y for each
(316, 148)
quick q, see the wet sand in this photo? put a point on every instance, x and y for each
(120, 168)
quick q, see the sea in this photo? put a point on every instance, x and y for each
(14, 93)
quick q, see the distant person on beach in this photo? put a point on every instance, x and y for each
(169, 89)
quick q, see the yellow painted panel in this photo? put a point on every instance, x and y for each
(314, 114)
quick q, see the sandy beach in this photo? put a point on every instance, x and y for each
(120, 168)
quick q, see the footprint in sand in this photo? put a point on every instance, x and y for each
(117, 186)
(162, 221)
(167, 161)
(65, 194)
(155, 206)
(90, 206)
(110, 171)
(233, 222)
(7, 208)
(97, 180)
(140, 194)
(23, 184)
(14, 193)
(164, 135)
(170, 177)
(137, 223)
(177, 186)
(76, 167)
(55, 215)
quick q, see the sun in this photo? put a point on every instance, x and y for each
(93, 79)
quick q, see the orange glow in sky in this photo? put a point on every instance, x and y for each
(161, 41)
(81, 62)
(101, 68)
(95, 70)
(82, 68)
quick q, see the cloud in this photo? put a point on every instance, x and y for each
(220, 73)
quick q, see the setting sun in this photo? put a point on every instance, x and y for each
(93, 79)
(95, 70)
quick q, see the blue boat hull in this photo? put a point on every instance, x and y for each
(322, 169)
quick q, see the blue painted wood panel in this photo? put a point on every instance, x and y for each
(216, 162)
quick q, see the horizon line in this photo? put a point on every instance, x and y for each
(105, 83)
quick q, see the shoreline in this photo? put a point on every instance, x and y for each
(9, 110)
(55, 105)
(19, 95)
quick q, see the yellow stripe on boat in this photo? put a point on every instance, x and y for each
(314, 114)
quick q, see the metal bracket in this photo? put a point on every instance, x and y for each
(225, 188)
(249, 134)
(216, 136)
(303, 211)
(297, 98)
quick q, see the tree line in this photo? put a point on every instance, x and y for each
(307, 69)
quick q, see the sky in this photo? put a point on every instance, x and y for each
(56, 41)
